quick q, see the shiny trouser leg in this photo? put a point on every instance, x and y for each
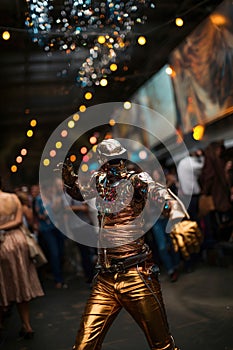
(110, 294)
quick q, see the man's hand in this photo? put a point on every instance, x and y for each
(186, 237)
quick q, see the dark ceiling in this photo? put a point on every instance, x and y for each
(41, 85)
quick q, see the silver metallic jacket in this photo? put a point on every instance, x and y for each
(125, 200)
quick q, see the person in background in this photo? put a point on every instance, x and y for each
(34, 192)
(169, 258)
(215, 181)
(18, 275)
(49, 236)
(87, 254)
(188, 171)
(27, 209)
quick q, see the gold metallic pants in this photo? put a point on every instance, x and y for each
(140, 294)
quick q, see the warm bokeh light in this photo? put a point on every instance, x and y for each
(85, 158)
(113, 67)
(83, 150)
(29, 133)
(88, 95)
(108, 135)
(19, 159)
(23, 152)
(218, 19)
(101, 39)
(82, 108)
(103, 82)
(76, 117)
(198, 132)
(84, 168)
(33, 123)
(179, 22)
(71, 124)
(127, 105)
(169, 70)
(141, 40)
(46, 162)
(73, 158)
(6, 35)
(64, 133)
(142, 154)
(93, 140)
(14, 168)
(112, 122)
(94, 148)
(52, 153)
(58, 144)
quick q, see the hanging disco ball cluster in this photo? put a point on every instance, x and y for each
(103, 27)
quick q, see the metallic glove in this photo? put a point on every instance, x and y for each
(186, 237)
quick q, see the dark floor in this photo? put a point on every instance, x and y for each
(199, 307)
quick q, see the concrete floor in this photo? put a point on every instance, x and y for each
(199, 308)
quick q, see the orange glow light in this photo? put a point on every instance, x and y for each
(73, 158)
(14, 168)
(83, 150)
(33, 122)
(198, 132)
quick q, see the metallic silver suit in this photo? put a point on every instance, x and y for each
(127, 277)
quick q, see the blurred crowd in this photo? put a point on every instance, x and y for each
(202, 173)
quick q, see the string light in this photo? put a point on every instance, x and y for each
(33, 123)
(58, 144)
(52, 153)
(73, 158)
(6, 35)
(141, 40)
(29, 133)
(19, 159)
(93, 140)
(46, 162)
(127, 105)
(14, 168)
(83, 150)
(23, 152)
(82, 108)
(88, 95)
(179, 22)
(71, 124)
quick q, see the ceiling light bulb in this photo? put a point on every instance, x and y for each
(179, 22)
(6, 35)
(88, 95)
(141, 40)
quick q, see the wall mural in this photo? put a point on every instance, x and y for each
(203, 70)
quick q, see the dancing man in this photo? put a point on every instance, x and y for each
(127, 277)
